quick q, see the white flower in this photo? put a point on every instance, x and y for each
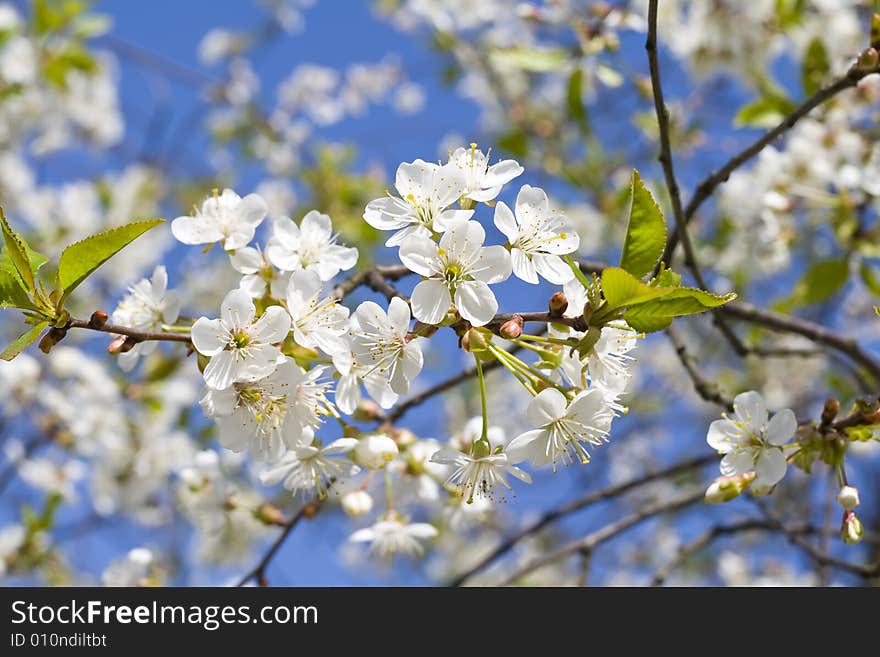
(311, 245)
(240, 348)
(12, 537)
(537, 237)
(268, 416)
(383, 356)
(477, 473)
(146, 307)
(260, 277)
(131, 570)
(460, 268)
(483, 182)
(226, 217)
(426, 192)
(375, 450)
(750, 442)
(317, 323)
(357, 503)
(390, 536)
(309, 467)
(564, 429)
(53, 478)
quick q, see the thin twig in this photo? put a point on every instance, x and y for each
(708, 390)
(578, 504)
(593, 540)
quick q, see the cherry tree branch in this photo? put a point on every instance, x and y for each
(591, 541)
(134, 334)
(707, 186)
(576, 505)
(258, 573)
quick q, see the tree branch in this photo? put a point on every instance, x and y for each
(592, 541)
(581, 503)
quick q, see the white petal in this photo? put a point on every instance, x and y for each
(475, 302)
(221, 371)
(526, 446)
(421, 530)
(547, 407)
(502, 173)
(246, 261)
(781, 427)
(751, 410)
(195, 230)
(273, 326)
(237, 309)
(723, 435)
(523, 266)
(399, 314)
(532, 200)
(420, 255)
(770, 467)
(348, 394)
(553, 268)
(208, 336)
(492, 266)
(251, 210)
(737, 463)
(431, 301)
(505, 222)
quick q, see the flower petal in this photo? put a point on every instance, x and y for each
(475, 302)
(782, 427)
(430, 301)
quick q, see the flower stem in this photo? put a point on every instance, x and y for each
(485, 434)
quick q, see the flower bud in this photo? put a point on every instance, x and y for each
(357, 503)
(868, 60)
(368, 410)
(724, 489)
(512, 328)
(474, 341)
(481, 449)
(375, 450)
(848, 497)
(830, 410)
(558, 304)
(98, 319)
(851, 530)
(269, 514)
(52, 337)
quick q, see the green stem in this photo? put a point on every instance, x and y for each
(575, 267)
(482, 380)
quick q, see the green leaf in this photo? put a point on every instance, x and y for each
(79, 260)
(815, 67)
(12, 294)
(622, 289)
(23, 341)
(657, 314)
(534, 60)
(576, 109)
(20, 255)
(646, 232)
(766, 112)
(870, 278)
(649, 308)
(818, 284)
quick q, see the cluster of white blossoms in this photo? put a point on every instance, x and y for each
(285, 361)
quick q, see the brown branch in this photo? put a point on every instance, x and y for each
(578, 504)
(707, 389)
(821, 558)
(709, 536)
(706, 187)
(593, 540)
(815, 332)
(258, 573)
(134, 334)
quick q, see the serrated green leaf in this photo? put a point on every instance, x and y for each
(23, 341)
(815, 67)
(534, 60)
(819, 283)
(12, 294)
(645, 233)
(18, 253)
(766, 112)
(657, 314)
(667, 278)
(78, 261)
(622, 289)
